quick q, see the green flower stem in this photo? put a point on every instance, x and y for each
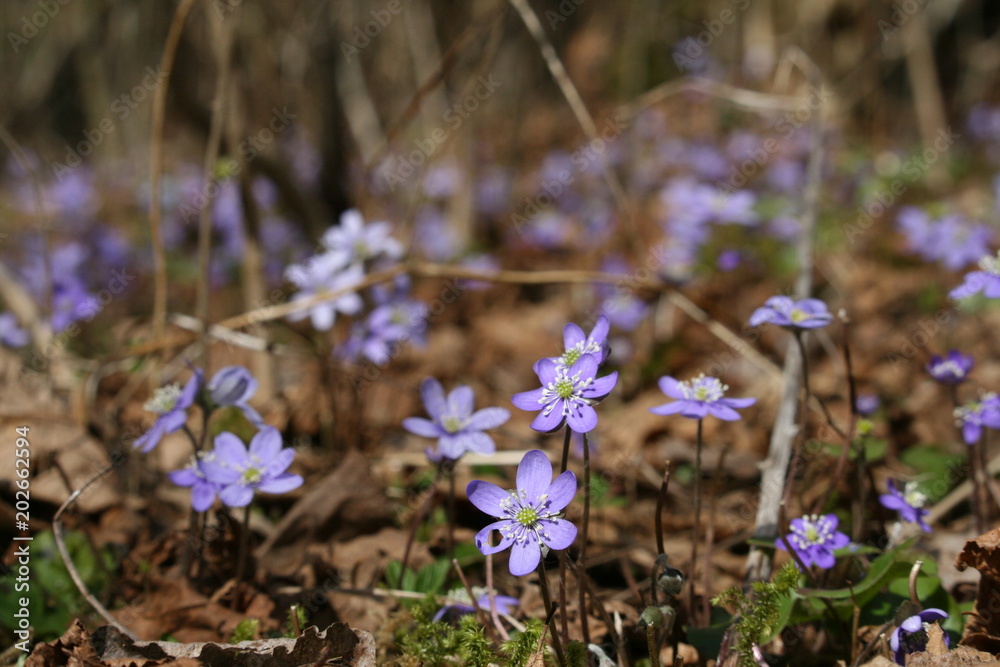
(244, 545)
(696, 530)
(565, 453)
(583, 540)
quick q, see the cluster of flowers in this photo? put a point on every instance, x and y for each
(229, 471)
(953, 240)
(350, 249)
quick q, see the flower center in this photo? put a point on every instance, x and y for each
(164, 399)
(815, 530)
(991, 264)
(571, 355)
(799, 315)
(452, 424)
(704, 389)
(948, 368)
(564, 387)
(913, 497)
(527, 517)
(251, 476)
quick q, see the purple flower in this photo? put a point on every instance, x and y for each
(909, 503)
(12, 334)
(952, 369)
(504, 604)
(867, 404)
(973, 416)
(395, 319)
(457, 428)
(911, 635)
(987, 280)
(530, 516)
(170, 403)
(577, 344)
(786, 312)
(959, 242)
(322, 274)
(203, 491)
(567, 394)
(698, 398)
(241, 472)
(352, 241)
(233, 386)
(814, 539)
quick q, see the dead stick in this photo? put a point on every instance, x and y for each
(57, 532)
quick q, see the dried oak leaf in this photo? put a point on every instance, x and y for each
(337, 643)
(79, 648)
(938, 655)
(982, 627)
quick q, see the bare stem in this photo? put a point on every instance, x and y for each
(550, 618)
(583, 539)
(696, 530)
(244, 545)
(661, 501)
(57, 534)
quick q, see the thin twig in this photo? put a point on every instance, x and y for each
(583, 116)
(57, 533)
(480, 612)
(661, 500)
(156, 168)
(543, 586)
(223, 29)
(775, 473)
(420, 269)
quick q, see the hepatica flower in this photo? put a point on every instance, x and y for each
(577, 343)
(203, 491)
(352, 241)
(698, 398)
(241, 472)
(170, 403)
(457, 428)
(504, 604)
(530, 516)
(973, 416)
(911, 635)
(909, 503)
(786, 312)
(867, 404)
(233, 386)
(986, 280)
(814, 539)
(567, 394)
(953, 368)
